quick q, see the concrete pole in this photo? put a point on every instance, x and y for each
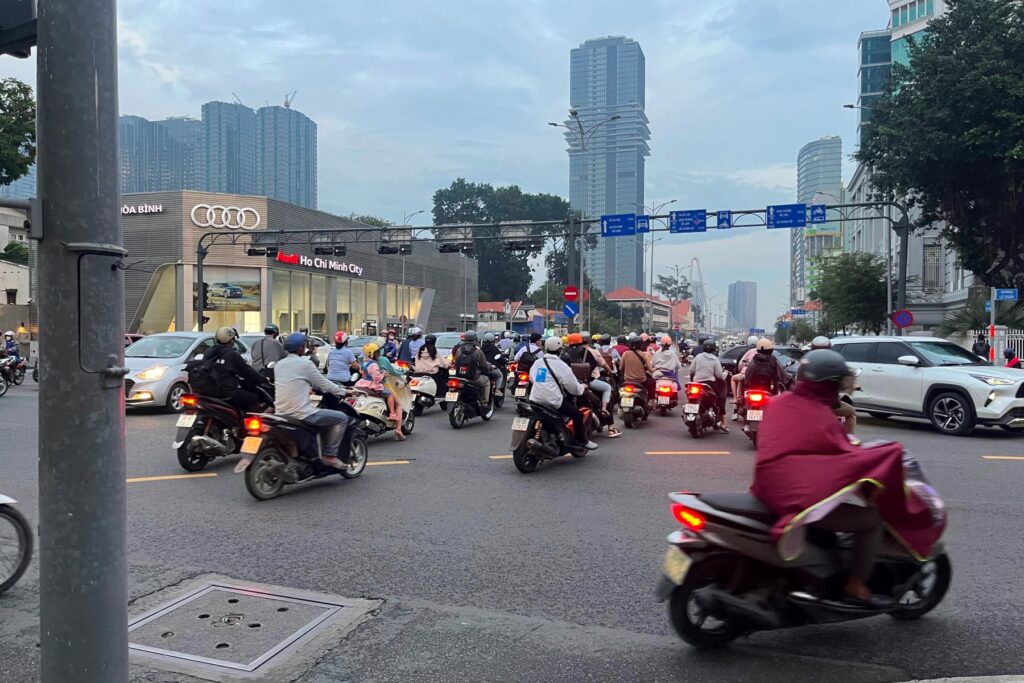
(82, 510)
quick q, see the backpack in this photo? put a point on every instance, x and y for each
(209, 377)
(526, 360)
(467, 364)
(760, 372)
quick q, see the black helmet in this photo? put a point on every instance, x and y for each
(271, 328)
(1009, 353)
(822, 365)
(469, 337)
(430, 340)
(536, 337)
(488, 337)
(606, 339)
(710, 346)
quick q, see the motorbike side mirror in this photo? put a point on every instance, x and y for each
(910, 361)
(198, 356)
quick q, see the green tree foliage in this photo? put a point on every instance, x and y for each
(16, 252)
(950, 135)
(853, 293)
(674, 288)
(366, 219)
(972, 317)
(503, 274)
(17, 129)
(783, 334)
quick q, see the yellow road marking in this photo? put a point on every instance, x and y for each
(500, 457)
(169, 477)
(687, 452)
(387, 462)
(1003, 457)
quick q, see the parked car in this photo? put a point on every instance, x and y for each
(156, 366)
(130, 339)
(932, 378)
(225, 290)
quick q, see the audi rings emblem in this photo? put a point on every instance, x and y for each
(230, 217)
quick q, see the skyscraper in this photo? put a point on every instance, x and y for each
(228, 148)
(22, 188)
(606, 79)
(875, 64)
(819, 179)
(158, 155)
(184, 134)
(743, 305)
(286, 156)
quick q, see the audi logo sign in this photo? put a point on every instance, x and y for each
(230, 217)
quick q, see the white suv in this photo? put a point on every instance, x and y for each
(935, 379)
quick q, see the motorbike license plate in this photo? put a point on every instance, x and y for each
(252, 444)
(676, 565)
(664, 400)
(627, 402)
(521, 392)
(691, 408)
(520, 424)
(452, 396)
(186, 420)
(755, 415)
(315, 398)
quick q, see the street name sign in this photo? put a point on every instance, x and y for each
(618, 225)
(786, 216)
(695, 220)
(1006, 295)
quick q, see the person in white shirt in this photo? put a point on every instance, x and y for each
(532, 346)
(551, 380)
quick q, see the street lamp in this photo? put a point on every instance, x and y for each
(856, 106)
(406, 217)
(654, 210)
(585, 134)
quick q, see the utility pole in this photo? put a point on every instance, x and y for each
(570, 243)
(82, 509)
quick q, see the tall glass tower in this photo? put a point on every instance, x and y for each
(606, 78)
(286, 156)
(819, 180)
(228, 148)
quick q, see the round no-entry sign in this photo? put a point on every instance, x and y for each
(571, 293)
(903, 318)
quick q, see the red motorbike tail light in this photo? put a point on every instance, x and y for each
(691, 519)
(453, 384)
(694, 389)
(755, 397)
(664, 389)
(524, 377)
(253, 424)
(402, 365)
(190, 400)
(628, 389)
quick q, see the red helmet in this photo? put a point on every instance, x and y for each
(340, 337)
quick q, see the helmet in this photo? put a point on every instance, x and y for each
(340, 337)
(271, 328)
(536, 336)
(469, 337)
(488, 337)
(710, 346)
(294, 342)
(765, 345)
(507, 334)
(9, 333)
(596, 338)
(517, 337)
(370, 349)
(645, 337)
(821, 342)
(606, 339)
(565, 339)
(1009, 353)
(415, 332)
(575, 338)
(430, 340)
(553, 345)
(584, 334)
(666, 340)
(752, 340)
(224, 335)
(821, 365)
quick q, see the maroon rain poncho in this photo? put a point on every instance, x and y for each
(806, 467)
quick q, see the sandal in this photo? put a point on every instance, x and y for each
(613, 433)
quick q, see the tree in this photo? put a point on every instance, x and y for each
(503, 274)
(950, 135)
(17, 129)
(972, 316)
(370, 220)
(16, 252)
(783, 332)
(675, 288)
(853, 292)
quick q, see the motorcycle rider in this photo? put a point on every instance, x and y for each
(493, 354)
(268, 349)
(636, 368)
(372, 380)
(430, 362)
(707, 368)
(552, 385)
(1011, 358)
(621, 346)
(341, 362)
(293, 378)
(11, 346)
(580, 353)
(842, 409)
(530, 349)
(236, 381)
(737, 379)
(390, 348)
(666, 360)
(764, 371)
(472, 364)
(411, 346)
(506, 342)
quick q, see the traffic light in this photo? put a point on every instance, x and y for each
(206, 296)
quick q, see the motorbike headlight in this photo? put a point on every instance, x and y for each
(155, 372)
(994, 381)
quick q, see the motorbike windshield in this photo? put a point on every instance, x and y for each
(917, 484)
(159, 347)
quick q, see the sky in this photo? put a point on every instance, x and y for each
(409, 96)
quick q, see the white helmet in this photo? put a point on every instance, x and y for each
(9, 333)
(508, 334)
(752, 340)
(821, 342)
(553, 344)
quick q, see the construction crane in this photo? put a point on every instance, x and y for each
(288, 99)
(238, 99)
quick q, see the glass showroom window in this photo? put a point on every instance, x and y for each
(344, 310)
(318, 306)
(280, 292)
(300, 301)
(358, 306)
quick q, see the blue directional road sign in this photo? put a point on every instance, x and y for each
(571, 309)
(688, 221)
(786, 216)
(756, 330)
(798, 311)
(643, 224)
(819, 213)
(988, 306)
(724, 220)
(618, 225)
(1006, 295)
(784, 324)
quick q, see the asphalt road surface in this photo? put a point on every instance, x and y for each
(488, 574)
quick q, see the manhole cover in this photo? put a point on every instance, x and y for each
(232, 627)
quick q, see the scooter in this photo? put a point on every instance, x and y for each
(210, 428)
(700, 413)
(14, 525)
(280, 451)
(376, 415)
(751, 409)
(424, 393)
(521, 393)
(463, 397)
(667, 395)
(545, 434)
(723, 576)
(633, 404)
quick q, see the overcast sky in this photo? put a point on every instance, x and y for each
(408, 95)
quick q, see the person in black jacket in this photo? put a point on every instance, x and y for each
(236, 379)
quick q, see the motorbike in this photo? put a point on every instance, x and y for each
(10, 371)
(376, 415)
(15, 543)
(511, 376)
(545, 434)
(521, 391)
(424, 393)
(35, 372)
(18, 370)
(209, 428)
(281, 451)
(700, 413)
(751, 409)
(464, 397)
(4, 383)
(666, 394)
(723, 576)
(633, 404)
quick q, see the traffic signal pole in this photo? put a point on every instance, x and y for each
(83, 584)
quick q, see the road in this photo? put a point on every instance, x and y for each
(488, 574)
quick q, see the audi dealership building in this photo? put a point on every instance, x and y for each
(360, 292)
